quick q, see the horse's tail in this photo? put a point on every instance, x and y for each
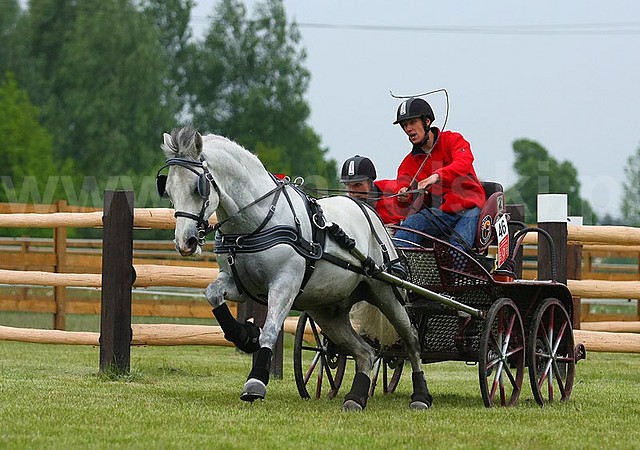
(183, 142)
(369, 321)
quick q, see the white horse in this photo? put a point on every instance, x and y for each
(272, 236)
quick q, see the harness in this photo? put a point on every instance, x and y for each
(262, 239)
(258, 240)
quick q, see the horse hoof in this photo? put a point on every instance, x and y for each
(253, 390)
(351, 405)
(418, 406)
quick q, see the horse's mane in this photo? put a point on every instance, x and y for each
(183, 144)
(187, 143)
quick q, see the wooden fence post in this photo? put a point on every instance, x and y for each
(552, 217)
(60, 250)
(117, 280)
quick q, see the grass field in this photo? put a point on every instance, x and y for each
(188, 397)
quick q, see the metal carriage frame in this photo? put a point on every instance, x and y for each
(463, 312)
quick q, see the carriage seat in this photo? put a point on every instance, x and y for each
(492, 210)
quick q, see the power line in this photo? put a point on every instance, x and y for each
(599, 29)
(567, 29)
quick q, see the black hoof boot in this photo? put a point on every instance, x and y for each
(245, 336)
(420, 399)
(254, 389)
(356, 399)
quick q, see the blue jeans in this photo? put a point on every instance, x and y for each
(439, 224)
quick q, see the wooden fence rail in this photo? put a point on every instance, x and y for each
(597, 240)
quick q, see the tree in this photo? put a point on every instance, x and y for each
(539, 173)
(630, 206)
(171, 18)
(28, 171)
(249, 82)
(9, 15)
(26, 145)
(109, 101)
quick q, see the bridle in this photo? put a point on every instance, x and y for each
(203, 187)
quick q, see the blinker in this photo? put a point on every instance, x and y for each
(161, 185)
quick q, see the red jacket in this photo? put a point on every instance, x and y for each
(387, 207)
(451, 158)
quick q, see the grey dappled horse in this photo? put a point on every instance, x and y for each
(284, 249)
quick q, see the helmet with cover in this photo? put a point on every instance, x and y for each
(357, 168)
(412, 108)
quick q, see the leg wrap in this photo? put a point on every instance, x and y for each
(261, 365)
(420, 390)
(244, 335)
(359, 392)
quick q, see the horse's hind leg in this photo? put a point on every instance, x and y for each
(338, 328)
(396, 314)
(244, 335)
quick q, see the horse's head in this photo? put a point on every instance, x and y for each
(190, 186)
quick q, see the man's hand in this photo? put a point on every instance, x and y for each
(403, 198)
(429, 181)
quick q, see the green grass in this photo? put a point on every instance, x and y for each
(188, 397)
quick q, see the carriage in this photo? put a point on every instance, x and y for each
(279, 246)
(465, 308)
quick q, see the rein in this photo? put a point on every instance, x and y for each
(369, 193)
(260, 239)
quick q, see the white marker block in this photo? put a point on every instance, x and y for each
(552, 208)
(575, 221)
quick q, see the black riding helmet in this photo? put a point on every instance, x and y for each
(414, 107)
(357, 168)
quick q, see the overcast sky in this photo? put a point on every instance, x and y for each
(565, 74)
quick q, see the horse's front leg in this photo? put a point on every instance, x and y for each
(244, 335)
(280, 300)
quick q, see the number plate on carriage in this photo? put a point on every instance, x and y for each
(502, 230)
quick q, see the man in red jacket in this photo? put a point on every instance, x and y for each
(441, 163)
(359, 174)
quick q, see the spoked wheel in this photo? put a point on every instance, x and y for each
(316, 361)
(550, 353)
(387, 366)
(501, 355)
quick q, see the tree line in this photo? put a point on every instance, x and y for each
(87, 88)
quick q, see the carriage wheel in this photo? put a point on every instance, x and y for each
(501, 355)
(316, 362)
(389, 384)
(550, 353)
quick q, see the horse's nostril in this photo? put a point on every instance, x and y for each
(192, 243)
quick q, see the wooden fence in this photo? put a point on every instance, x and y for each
(60, 262)
(66, 254)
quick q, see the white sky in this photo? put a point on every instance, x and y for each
(576, 94)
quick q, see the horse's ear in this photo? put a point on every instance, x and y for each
(198, 142)
(167, 140)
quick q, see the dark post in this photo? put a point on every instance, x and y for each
(245, 311)
(516, 212)
(117, 280)
(260, 315)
